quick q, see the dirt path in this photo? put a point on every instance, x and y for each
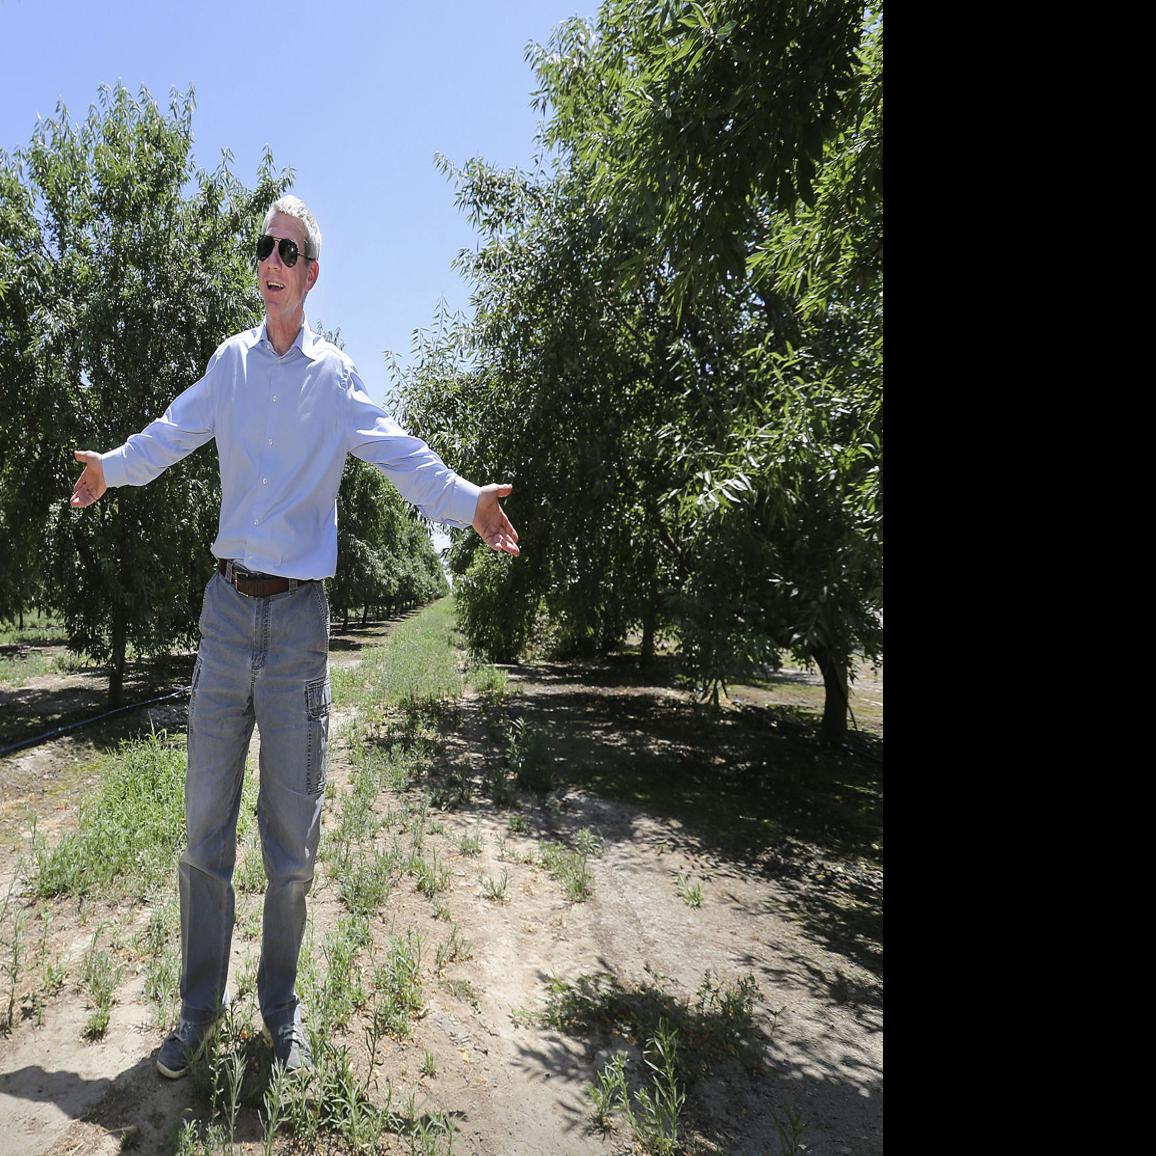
(796, 914)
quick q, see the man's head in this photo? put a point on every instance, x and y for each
(283, 285)
(292, 206)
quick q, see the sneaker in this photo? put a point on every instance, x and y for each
(181, 1047)
(291, 1049)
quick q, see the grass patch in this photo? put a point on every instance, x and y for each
(416, 666)
(489, 681)
(528, 756)
(39, 629)
(654, 1109)
(17, 669)
(717, 1023)
(568, 868)
(690, 893)
(130, 831)
(99, 976)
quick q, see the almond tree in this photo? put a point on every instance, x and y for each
(678, 342)
(124, 266)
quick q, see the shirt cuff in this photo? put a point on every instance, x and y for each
(115, 471)
(464, 503)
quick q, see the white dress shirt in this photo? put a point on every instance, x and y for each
(283, 426)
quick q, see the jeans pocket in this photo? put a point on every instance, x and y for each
(323, 609)
(318, 699)
(193, 685)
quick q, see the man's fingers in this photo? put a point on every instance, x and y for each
(90, 485)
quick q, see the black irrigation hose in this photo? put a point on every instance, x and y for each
(84, 722)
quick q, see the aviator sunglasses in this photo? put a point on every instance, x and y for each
(286, 247)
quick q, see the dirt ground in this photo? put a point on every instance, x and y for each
(784, 842)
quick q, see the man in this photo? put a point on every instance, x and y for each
(285, 407)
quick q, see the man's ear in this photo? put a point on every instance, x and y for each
(311, 274)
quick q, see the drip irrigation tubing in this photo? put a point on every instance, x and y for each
(36, 740)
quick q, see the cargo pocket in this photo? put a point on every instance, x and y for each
(318, 697)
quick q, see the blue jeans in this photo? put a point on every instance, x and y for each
(262, 660)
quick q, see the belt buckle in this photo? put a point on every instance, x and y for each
(235, 575)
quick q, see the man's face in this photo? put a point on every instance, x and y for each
(283, 288)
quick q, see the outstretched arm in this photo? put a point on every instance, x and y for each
(90, 485)
(491, 522)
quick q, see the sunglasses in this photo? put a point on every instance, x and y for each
(287, 248)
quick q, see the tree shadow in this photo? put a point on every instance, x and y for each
(753, 785)
(116, 1104)
(739, 1083)
(30, 711)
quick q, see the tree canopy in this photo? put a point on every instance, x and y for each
(122, 267)
(677, 344)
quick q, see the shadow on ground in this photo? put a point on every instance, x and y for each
(728, 1066)
(751, 785)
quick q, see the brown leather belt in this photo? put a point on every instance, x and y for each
(256, 585)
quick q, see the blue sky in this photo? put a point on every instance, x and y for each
(355, 96)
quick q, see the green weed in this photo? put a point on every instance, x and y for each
(397, 986)
(495, 889)
(589, 844)
(340, 993)
(654, 1110)
(13, 955)
(249, 878)
(470, 842)
(789, 1125)
(609, 1091)
(99, 976)
(161, 947)
(528, 756)
(568, 868)
(433, 877)
(130, 832)
(489, 681)
(456, 947)
(719, 1022)
(365, 883)
(690, 893)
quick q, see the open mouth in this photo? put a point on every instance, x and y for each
(274, 285)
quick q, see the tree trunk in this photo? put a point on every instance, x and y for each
(116, 675)
(648, 632)
(833, 728)
(119, 611)
(650, 613)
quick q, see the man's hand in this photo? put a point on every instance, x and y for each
(90, 485)
(491, 522)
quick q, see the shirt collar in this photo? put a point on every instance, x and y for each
(306, 340)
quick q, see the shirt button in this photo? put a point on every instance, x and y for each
(264, 481)
(256, 520)
(270, 441)
(274, 397)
